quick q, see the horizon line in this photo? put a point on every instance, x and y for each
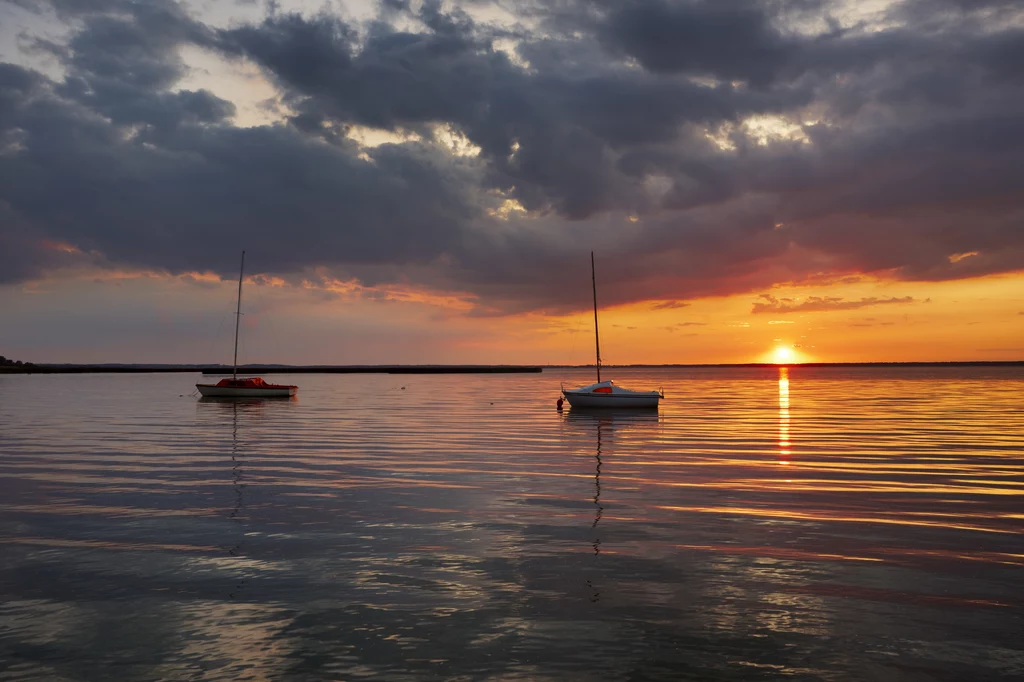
(250, 366)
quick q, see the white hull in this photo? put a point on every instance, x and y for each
(214, 391)
(611, 400)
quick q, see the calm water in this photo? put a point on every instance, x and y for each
(816, 524)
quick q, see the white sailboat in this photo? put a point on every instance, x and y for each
(606, 393)
(249, 387)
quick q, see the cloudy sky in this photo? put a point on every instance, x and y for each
(423, 182)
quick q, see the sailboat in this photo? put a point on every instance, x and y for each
(249, 387)
(606, 393)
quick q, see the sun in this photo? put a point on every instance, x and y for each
(783, 354)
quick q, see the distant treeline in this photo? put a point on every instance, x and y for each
(8, 364)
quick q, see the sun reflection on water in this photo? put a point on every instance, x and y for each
(784, 442)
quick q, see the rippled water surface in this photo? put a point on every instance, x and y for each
(838, 524)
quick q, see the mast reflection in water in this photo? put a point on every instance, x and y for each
(244, 413)
(604, 423)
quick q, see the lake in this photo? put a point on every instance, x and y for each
(764, 524)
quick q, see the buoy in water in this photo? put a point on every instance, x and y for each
(558, 404)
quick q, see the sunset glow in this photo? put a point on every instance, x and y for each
(315, 319)
(783, 355)
(400, 210)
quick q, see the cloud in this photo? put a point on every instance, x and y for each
(771, 304)
(869, 322)
(728, 40)
(774, 144)
(682, 325)
(669, 305)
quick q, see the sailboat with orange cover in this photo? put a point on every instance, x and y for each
(248, 387)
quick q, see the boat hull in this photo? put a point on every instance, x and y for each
(616, 400)
(214, 391)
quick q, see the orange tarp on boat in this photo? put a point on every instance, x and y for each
(254, 382)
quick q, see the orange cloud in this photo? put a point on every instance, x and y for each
(669, 305)
(820, 303)
(60, 246)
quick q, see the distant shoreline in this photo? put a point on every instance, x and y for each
(217, 370)
(447, 369)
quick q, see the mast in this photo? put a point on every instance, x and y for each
(238, 316)
(597, 338)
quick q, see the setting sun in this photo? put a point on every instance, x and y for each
(782, 354)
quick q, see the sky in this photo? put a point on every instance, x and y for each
(423, 182)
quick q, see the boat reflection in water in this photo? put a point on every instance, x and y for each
(604, 423)
(247, 413)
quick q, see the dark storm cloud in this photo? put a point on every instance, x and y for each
(553, 140)
(78, 8)
(758, 42)
(122, 65)
(111, 160)
(198, 193)
(720, 38)
(619, 126)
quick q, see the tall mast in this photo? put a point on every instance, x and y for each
(238, 316)
(597, 338)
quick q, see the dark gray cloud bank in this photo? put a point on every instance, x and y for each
(616, 124)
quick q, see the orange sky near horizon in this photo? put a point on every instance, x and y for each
(132, 317)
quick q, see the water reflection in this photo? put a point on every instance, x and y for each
(597, 490)
(603, 424)
(428, 534)
(618, 420)
(251, 411)
(239, 489)
(784, 442)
